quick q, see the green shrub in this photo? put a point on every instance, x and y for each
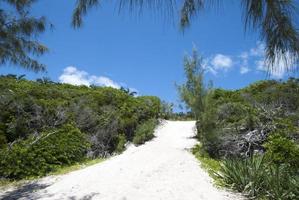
(3, 140)
(101, 113)
(145, 131)
(121, 141)
(37, 156)
(282, 150)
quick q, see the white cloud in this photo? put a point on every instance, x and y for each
(244, 55)
(217, 63)
(256, 57)
(221, 61)
(281, 65)
(253, 59)
(260, 65)
(212, 70)
(278, 73)
(208, 68)
(74, 76)
(104, 81)
(244, 70)
(258, 51)
(244, 60)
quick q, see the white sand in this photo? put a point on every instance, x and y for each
(161, 169)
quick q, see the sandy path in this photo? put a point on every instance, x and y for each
(161, 169)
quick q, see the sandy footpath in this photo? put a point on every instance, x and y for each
(162, 169)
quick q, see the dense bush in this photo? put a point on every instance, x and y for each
(107, 118)
(38, 155)
(238, 123)
(145, 131)
(281, 150)
(261, 119)
(121, 141)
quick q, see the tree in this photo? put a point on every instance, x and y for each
(18, 31)
(44, 80)
(274, 19)
(128, 91)
(21, 77)
(193, 91)
(166, 110)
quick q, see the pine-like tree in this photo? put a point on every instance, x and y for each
(193, 91)
(18, 32)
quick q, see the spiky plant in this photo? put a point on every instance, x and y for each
(244, 175)
(280, 184)
(259, 179)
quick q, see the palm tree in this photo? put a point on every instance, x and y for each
(21, 77)
(273, 18)
(44, 80)
(18, 31)
(128, 91)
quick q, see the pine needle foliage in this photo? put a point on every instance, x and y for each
(193, 91)
(18, 33)
(275, 21)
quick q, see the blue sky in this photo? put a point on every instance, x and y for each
(146, 53)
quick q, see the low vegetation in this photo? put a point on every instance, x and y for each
(145, 131)
(211, 165)
(76, 166)
(168, 113)
(259, 179)
(60, 170)
(253, 132)
(37, 156)
(46, 125)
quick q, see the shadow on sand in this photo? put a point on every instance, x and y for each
(23, 192)
(27, 192)
(86, 197)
